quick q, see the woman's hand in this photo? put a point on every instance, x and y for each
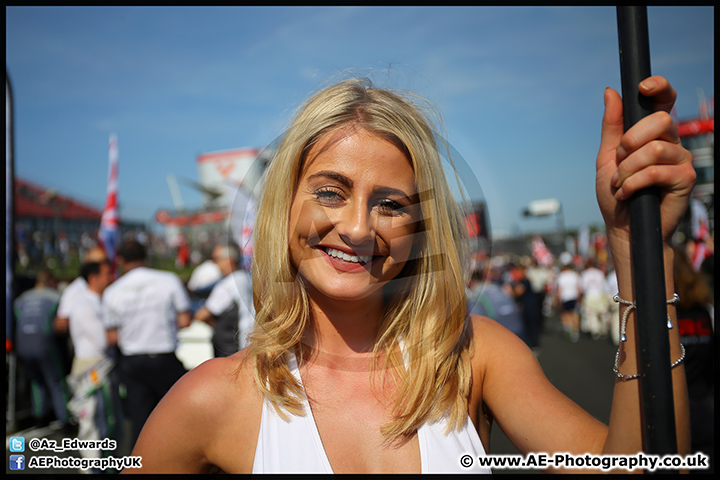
(648, 154)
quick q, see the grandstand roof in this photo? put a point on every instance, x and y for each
(35, 201)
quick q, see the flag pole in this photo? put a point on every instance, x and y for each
(658, 412)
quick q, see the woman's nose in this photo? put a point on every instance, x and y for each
(356, 224)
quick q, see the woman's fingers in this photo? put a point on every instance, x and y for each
(659, 88)
(676, 178)
(658, 154)
(657, 126)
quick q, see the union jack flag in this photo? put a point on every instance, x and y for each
(541, 252)
(109, 234)
(700, 233)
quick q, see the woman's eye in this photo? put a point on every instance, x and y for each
(390, 206)
(328, 195)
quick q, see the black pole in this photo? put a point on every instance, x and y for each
(658, 412)
(10, 253)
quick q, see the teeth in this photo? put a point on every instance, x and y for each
(333, 252)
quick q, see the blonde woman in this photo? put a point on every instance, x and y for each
(363, 358)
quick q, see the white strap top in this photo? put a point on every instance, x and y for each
(294, 446)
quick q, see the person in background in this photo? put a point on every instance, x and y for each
(39, 350)
(142, 312)
(695, 320)
(567, 293)
(96, 401)
(61, 322)
(529, 306)
(229, 308)
(613, 311)
(489, 299)
(205, 276)
(539, 276)
(78, 286)
(594, 300)
(183, 253)
(202, 280)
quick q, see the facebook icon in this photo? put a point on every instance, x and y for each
(17, 462)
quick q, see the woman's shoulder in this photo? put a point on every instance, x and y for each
(220, 368)
(221, 389)
(494, 346)
(486, 332)
(214, 405)
(220, 382)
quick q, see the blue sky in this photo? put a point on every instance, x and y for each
(520, 89)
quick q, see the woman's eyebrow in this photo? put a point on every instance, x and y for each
(390, 191)
(333, 176)
(385, 191)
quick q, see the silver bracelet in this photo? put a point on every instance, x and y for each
(631, 305)
(623, 337)
(636, 375)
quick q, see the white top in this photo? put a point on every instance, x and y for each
(294, 446)
(143, 305)
(204, 275)
(568, 285)
(235, 288)
(611, 284)
(593, 282)
(538, 277)
(86, 327)
(68, 295)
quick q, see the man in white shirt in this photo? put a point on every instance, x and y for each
(205, 275)
(61, 320)
(142, 312)
(229, 308)
(85, 317)
(567, 293)
(95, 402)
(96, 255)
(594, 300)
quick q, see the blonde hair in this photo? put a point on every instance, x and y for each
(425, 307)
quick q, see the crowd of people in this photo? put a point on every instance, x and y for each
(100, 351)
(521, 295)
(59, 251)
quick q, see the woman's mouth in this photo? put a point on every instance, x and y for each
(359, 259)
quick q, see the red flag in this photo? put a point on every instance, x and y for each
(472, 223)
(700, 233)
(702, 104)
(699, 254)
(109, 235)
(541, 252)
(242, 219)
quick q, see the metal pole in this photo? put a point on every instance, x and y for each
(10, 413)
(658, 412)
(560, 218)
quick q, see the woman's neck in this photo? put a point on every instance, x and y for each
(344, 328)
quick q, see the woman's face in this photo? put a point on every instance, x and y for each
(353, 219)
